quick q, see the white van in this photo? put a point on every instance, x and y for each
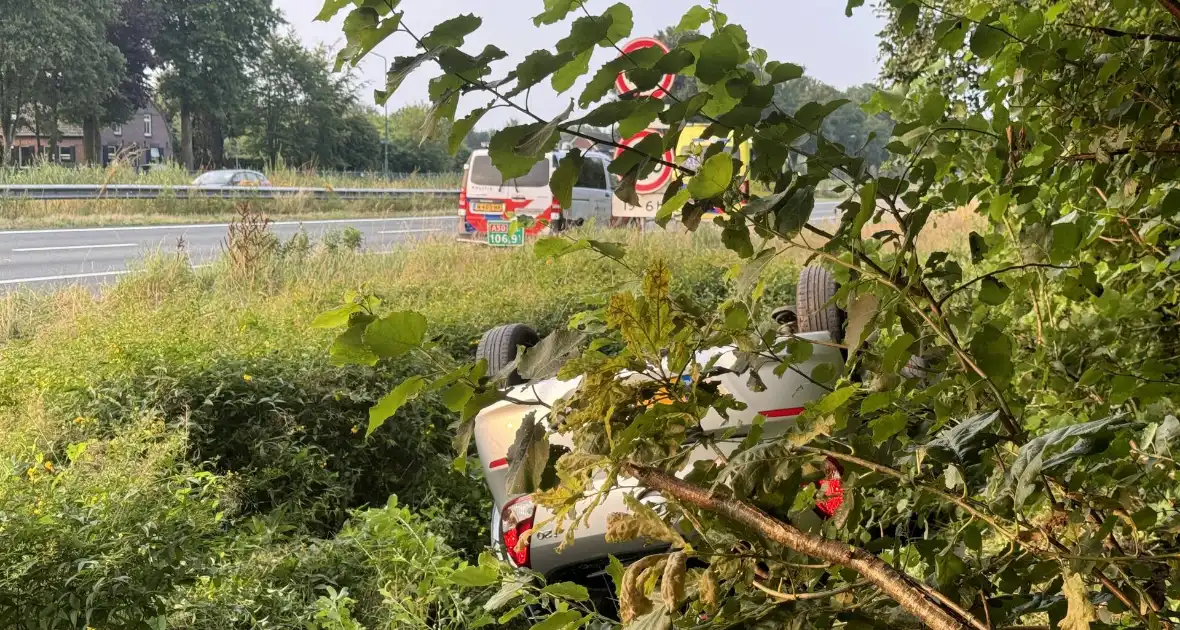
(485, 199)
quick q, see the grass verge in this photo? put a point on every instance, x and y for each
(185, 431)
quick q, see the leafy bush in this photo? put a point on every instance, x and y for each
(102, 535)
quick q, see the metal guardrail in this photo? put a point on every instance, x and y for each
(138, 191)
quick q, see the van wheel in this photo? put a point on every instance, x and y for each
(815, 309)
(499, 345)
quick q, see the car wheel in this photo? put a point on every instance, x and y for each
(814, 307)
(499, 345)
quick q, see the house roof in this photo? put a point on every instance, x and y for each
(65, 129)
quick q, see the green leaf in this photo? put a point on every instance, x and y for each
(812, 114)
(1065, 237)
(556, 247)
(503, 150)
(349, 347)
(719, 56)
(336, 317)
(511, 589)
(385, 408)
(888, 426)
(852, 4)
(966, 440)
(897, 354)
(868, 205)
(794, 213)
(585, 33)
(835, 400)
(933, 107)
(456, 396)
(399, 70)
(736, 238)
(643, 114)
(713, 177)
(993, 292)
(460, 128)
(907, 18)
(545, 359)
(536, 67)
(1109, 67)
(331, 8)
(1026, 468)
(559, 620)
(615, 570)
(474, 577)
(988, 40)
(567, 591)
(568, 74)
(992, 351)
(545, 137)
(528, 457)
(672, 206)
(782, 72)
(876, 401)
(396, 334)
(563, 179)
(978, 247)
(693, 19)
(621, 23)
(452, 32)
(555, 11)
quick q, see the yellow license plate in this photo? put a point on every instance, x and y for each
(489, 206)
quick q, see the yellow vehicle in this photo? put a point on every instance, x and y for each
(691, 144)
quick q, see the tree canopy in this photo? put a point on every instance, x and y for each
(1006, 417)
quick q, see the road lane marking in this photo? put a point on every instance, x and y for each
(65, 247)
(95, 274)
(68, 276)
(440, 217)
(410, 231)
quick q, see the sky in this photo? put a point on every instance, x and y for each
(838, 50)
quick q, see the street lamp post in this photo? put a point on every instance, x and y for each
(386, 115)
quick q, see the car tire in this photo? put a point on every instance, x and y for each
(499, 345)
(814, 307)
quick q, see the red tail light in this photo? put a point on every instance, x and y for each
(555, 207)
(516, 519)
(462, 201)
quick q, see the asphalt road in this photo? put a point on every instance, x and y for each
(55, 257)
(100, 255)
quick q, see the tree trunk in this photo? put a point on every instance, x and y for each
(892, 582)
(186, 137)
(217, 142)
(90, 141)
(54, 135)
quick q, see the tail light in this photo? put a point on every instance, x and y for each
(516, 519)
(463, 194)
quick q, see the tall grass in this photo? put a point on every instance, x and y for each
(172, 175)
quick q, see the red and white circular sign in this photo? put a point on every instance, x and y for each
(658, 178)
(624, 85)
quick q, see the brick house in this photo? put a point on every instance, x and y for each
(27, 147)
(145, 139)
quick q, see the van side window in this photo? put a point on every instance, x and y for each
(593, 175)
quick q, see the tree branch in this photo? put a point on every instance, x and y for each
(1173, 147)
(799, 597)
(1172, 7)
(997, 272)
(1159, 37)
(889, 580)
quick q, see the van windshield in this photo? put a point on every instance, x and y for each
(484, 173)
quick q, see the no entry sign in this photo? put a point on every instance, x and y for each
(624, 85)
(657, 179)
